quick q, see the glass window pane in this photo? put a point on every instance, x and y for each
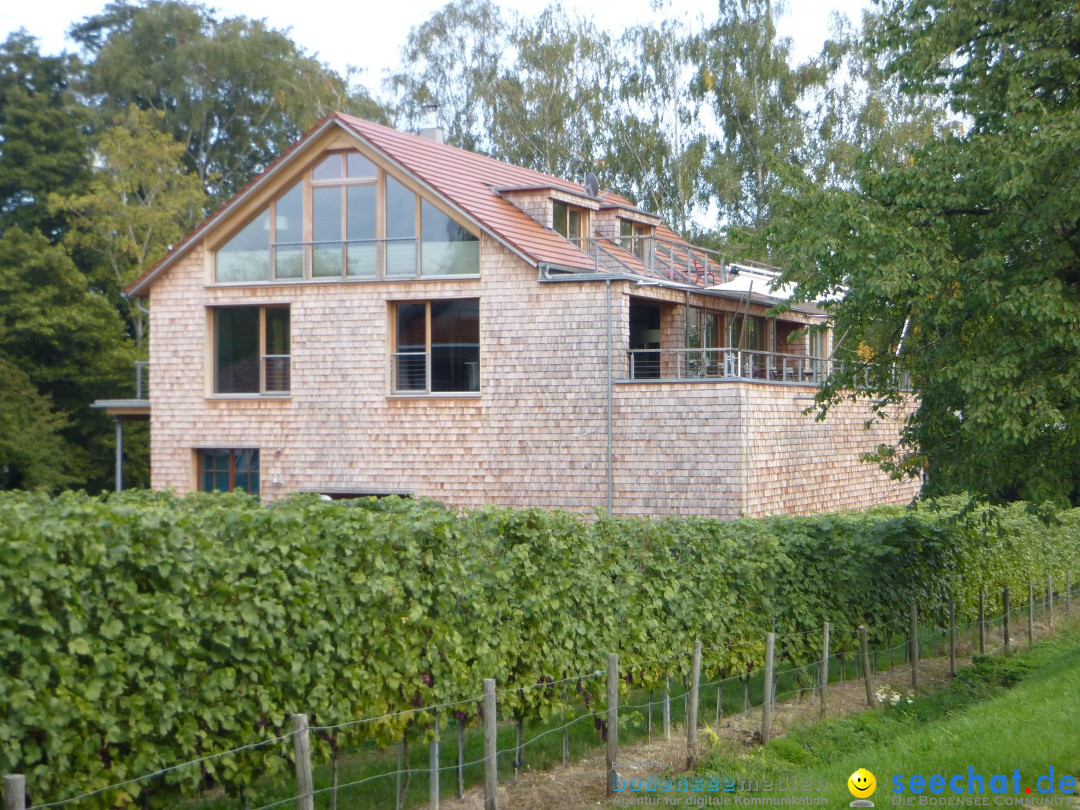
(573, 225)
(558, 211)
(360, 230)
(236, 343)
(361, 212)
(329, 169)
(289, 261)
(455, 345)
(246, 257)
(359, 166)
(289, 216)
(207, 484)
(327, 255)
(410, 361)
(253, 482)
(400, 229)
(447, 249)
(221, 481)
(277, 330)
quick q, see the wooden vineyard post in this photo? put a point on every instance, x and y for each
(666, 707)
(302, 752)
(15, 792)
(1031, 613)
(982, 622)
(823, 668)
(1005, 607)
(952, 637)
(433, 768)
(612, 722)
(491, 762)
(915, 648)
(692, 710)
(767, 707)
(868, 678)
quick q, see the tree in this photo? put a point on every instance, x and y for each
(235, 92)
(139, 203)
(454, 60)
(69, 343)
(44, 136)
(32, 449)
(961, 267)
(746, 75)
(657, 144)
(555, 105)
(859, 115)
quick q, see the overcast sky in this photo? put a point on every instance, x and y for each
(369, 35)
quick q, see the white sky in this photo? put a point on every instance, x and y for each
(369, 35)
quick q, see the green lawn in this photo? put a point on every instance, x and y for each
(1000, 715)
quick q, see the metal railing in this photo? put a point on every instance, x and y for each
(655, 257)
(277, 374)
(726, 364)
(410, 372)
(751, 364)
(142, 379)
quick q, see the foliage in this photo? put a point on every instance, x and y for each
(960, 267)
(235, 92)
(745, 73)
(138, 204)
(32, 448)
(141, 630)
(68, 341)
(44, 135)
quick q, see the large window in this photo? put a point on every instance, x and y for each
(251, 350)
(228, 470)
(437, 346)
(751, 338)
(348, 219)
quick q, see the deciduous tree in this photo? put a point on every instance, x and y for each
(961, 268)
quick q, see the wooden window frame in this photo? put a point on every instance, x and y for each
(393, 324)
(262, 355)
(200, 469)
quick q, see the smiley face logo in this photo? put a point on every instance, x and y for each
(862, 784)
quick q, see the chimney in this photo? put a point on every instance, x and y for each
(430, 128)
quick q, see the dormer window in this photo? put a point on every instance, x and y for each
(348, 218)
(633, 236)
(570, 221)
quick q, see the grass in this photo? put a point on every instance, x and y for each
(1000, 715)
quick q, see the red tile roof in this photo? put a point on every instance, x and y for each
(464, 179)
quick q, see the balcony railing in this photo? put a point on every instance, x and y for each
(726, 363)
(142, 379)
(748, 364)
(656, 257)
(276, 373)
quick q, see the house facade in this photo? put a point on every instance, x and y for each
(380, 313)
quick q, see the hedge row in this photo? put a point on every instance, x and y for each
(141, 630)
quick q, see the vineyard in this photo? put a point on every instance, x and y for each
(142, 630)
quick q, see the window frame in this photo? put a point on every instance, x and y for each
(263, 392)
(392, 316)
(200, 468)
(635, 240)
(583, 222)
(308, 245)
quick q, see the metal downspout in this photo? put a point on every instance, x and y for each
(610, 412)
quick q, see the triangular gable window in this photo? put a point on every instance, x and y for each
(346, 218)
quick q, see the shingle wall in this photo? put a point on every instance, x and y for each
(537, 434)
